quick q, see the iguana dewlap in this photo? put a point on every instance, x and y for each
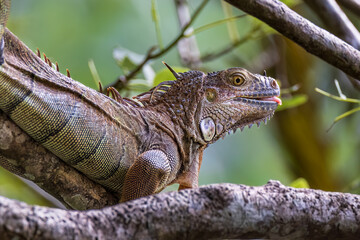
(132, 148)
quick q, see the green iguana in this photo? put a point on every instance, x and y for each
(132, 147)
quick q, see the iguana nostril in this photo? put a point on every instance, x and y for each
(273, 84)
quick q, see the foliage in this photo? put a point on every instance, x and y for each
(342, 98)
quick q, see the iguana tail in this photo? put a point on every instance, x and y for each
(74, 122)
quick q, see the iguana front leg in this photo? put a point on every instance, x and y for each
(147, 175)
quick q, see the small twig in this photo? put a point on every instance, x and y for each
(122, 81)
(344, 115)
(350, 100)
(182, 33)
(216, 23)
(230, 47)
(339, 89)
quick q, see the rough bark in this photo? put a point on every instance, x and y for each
(312, 38)
(21, 155)
(215, 211)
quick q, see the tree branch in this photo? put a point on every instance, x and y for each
(214, 211)
(336, 20)
(352, 5)
(21, 155)
(309, 36)
(187, 47)
(338, 23)
(227, 49)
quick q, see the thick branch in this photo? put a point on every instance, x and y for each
(23, 156)
(215, 211)
(336, 20)
(309, 36)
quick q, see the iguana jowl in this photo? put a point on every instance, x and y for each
(132, 148)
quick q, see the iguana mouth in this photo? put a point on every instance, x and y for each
(271, 99)
(259, 99)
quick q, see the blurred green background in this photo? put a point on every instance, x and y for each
(293, 144)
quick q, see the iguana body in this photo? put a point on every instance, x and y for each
(132, 149)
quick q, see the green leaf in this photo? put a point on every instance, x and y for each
(94, 72)
(165, 74)
(295, 101)
(300, 183)
(126, 59)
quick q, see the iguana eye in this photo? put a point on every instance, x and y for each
(237, 79)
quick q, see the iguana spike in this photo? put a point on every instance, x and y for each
(38, 53)
(45, 58)
(131, 102)
(115, 94)
(68, 73)
(176, 75)
(100, 88)
(49, 62)
(57, 67)
(160, 87)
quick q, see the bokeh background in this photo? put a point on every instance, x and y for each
(294, 144)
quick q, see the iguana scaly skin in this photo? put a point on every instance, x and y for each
(132, 148)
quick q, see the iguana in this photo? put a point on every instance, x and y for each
(132, 147)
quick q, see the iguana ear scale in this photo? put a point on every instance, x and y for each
(176, 75)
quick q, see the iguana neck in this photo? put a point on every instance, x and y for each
(162, 118)
(180, 102)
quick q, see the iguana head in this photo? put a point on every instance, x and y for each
(235, 98)
(210, 105)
